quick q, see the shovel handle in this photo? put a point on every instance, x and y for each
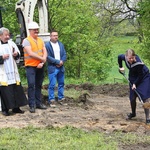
(140, 99)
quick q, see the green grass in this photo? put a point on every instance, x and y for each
(52, 139)
(67, 138)
(72, 93)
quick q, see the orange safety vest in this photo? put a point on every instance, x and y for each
(36, 47)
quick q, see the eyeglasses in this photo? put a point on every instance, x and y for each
(54, 35)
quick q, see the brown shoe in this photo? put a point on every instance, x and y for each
(52, 103)
(62, 102)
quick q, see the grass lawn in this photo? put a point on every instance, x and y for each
(67, 138)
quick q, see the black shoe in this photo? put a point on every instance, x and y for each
(17, 110)
(5, 113)
(148, 121)
(32, 110)
(130, 116)
(41, 106)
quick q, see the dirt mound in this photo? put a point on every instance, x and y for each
(118, 90)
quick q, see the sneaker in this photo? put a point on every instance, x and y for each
(130, 116)
(32, 110)
(60, 100)
(148, 121)
(52, 103)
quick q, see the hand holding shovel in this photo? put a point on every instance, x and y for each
(145, 105)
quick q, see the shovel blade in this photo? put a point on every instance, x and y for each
(146, 105)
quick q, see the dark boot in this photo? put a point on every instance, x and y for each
(130, 116)
(147, 114)
(17, 110)
(5, 112)
(148, 121)
(133, 109)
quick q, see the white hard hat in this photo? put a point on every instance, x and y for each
(33, 25)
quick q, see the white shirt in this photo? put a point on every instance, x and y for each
(56, 50)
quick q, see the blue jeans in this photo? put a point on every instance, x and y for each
(57, 76)
(35, 78)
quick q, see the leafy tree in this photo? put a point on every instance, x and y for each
(9, 16)
(144, 18)
(82, 29)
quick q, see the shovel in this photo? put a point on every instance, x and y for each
(145, 105)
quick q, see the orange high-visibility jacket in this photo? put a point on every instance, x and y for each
(37, 47)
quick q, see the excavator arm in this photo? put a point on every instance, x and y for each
(25, 13)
